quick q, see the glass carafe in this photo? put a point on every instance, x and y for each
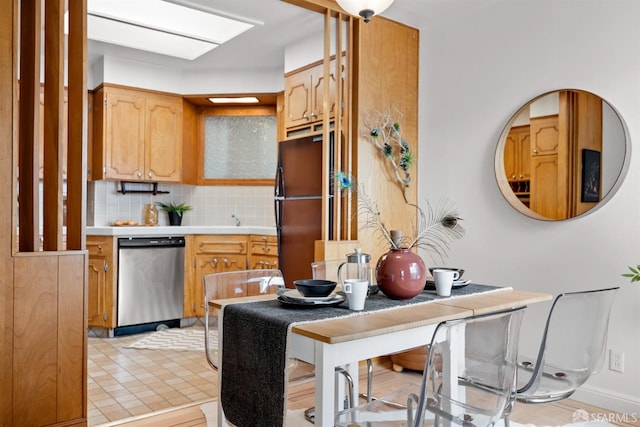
(356, 267)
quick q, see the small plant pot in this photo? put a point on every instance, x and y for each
(174, 218)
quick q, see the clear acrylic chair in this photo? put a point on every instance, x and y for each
(234, 284)
(572, 347)
(328, 270)
(468, 379)
(247, 283)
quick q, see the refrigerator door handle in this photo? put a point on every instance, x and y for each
(279, 190)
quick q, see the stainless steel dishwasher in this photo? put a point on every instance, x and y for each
(150, 282)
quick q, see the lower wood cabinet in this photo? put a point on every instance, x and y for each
(204, 254)
(263, 252)
(101, 309)
(221, 253)
(212, 254)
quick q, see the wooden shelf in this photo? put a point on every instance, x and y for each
(152, 190)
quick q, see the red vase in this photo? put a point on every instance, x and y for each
(401, 274)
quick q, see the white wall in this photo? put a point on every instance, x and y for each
(476, 69)
(475, 72)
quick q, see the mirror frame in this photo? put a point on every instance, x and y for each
(503, 182)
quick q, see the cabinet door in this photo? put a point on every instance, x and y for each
(263, 252)
(101, 288)
(96, 310)
(517, 159)
(545, 136)
(124, 134)
(163, 139)
(317, 92)
(204, 266)
(297, 99)
(263, 262)
(547, 198)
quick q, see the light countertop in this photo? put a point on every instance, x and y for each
(139, 230)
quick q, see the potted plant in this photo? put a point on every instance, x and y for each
(174, 211)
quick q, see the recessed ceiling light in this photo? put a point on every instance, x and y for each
(238, 100)
(160, 26)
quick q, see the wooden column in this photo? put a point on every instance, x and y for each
(77, 127)
(29, 124)
(53, 124)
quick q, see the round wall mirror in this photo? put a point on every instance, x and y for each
(562, 155)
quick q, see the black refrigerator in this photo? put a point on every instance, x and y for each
(298, 203)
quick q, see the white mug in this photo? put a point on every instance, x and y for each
(356, 291)
(444, 281)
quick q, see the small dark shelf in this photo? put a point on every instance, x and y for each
(152, 190)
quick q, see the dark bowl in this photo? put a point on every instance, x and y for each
(315, 287)
(459, 270)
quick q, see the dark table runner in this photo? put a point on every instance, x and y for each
(254, 351)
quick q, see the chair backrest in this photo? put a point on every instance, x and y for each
(327, 270)
(234, 284)
(474, 389)
(572, 347)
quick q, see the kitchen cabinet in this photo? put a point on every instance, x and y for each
(304, 96)
(263, 252)
(137, 135)
(101, 308)
(544, 135)
(548, 195)
(517, 161)
(213, 254)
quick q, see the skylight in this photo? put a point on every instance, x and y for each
(160, 26)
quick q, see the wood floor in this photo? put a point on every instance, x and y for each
(386, 380)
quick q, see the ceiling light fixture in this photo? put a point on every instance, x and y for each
(364, 8)
(161, 26)
(236, 100)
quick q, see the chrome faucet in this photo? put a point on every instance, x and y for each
(236, 219)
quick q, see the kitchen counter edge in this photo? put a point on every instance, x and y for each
(178, 230)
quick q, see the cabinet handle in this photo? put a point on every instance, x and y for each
(305, 116)
(313, 114)
(139, 174)
(226, 262)
(214, 262)
(521, 176)
(150, 175)
(535, 151)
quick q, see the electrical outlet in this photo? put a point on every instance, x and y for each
(616, 361)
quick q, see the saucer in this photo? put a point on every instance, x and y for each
(294, 294)
(457, 284)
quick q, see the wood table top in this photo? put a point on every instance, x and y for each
(364, 325)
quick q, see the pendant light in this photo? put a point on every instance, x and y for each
(364, 8)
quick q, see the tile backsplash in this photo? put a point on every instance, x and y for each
(212, 205)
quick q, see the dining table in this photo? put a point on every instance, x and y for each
(258, 335)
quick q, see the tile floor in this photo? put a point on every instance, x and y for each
(125, 383)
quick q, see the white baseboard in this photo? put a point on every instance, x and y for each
(627, 406)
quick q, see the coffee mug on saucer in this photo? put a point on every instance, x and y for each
(444, 281)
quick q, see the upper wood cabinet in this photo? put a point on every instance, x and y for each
(304, 95)
(517, 161)
(137, 135)
(544, 135)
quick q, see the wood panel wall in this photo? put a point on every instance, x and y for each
(43, 348)
(386, 76)
(381, 62)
